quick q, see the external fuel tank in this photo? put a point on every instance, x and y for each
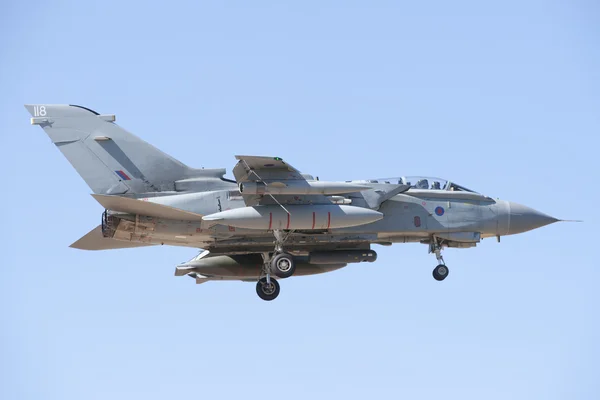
(300, 217)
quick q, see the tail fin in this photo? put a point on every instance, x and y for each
(109, 159)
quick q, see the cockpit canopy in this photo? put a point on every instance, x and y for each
(423, 183)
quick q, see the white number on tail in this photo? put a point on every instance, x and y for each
(39, 111)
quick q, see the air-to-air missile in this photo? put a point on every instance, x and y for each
(296, 217)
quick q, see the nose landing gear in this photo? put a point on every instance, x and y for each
(441, 271)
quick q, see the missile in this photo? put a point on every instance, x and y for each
(300, 217)
(295, 187)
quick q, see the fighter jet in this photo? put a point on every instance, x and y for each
(272, 221)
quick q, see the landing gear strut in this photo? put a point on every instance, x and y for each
(279, 263)
(282, 263)
(441, 271)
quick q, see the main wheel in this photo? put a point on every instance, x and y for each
(267, 291)
(440, 272)
(283, 265)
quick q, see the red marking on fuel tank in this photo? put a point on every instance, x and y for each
(270, 220)
(314, 218)
(417, 221)
(288, 224)
(232, 229)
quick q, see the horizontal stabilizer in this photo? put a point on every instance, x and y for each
(147, 208)
(94, 240)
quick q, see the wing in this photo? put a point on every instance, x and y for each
(270, 180)
(272, 171)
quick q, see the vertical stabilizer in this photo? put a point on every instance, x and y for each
(109, 159)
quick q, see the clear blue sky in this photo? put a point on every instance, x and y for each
(503, 98)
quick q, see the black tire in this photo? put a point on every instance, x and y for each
(283, 265)
(265, 292)
(440, 272)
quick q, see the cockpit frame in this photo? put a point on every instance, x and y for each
(422, 183)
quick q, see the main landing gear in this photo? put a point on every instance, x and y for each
(282, 265)
(267, 290)
(441, 271)
(279, 263)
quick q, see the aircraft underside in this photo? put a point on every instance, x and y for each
(254, 255)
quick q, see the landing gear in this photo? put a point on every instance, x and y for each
(441, 271)
(267, 289)
(279, 263)
(283, 265)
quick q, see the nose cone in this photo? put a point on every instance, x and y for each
(522, 219)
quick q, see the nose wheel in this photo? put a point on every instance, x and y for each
(441, 271)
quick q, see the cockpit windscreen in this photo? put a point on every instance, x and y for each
(424, 183)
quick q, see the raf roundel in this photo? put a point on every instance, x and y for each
(439, 211)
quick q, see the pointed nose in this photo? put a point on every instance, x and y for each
(522, 218)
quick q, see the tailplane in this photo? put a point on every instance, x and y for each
(94, 240)
(110, 159)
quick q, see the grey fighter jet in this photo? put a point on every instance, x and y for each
(271, 221)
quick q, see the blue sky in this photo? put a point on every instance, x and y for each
(502, 98)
